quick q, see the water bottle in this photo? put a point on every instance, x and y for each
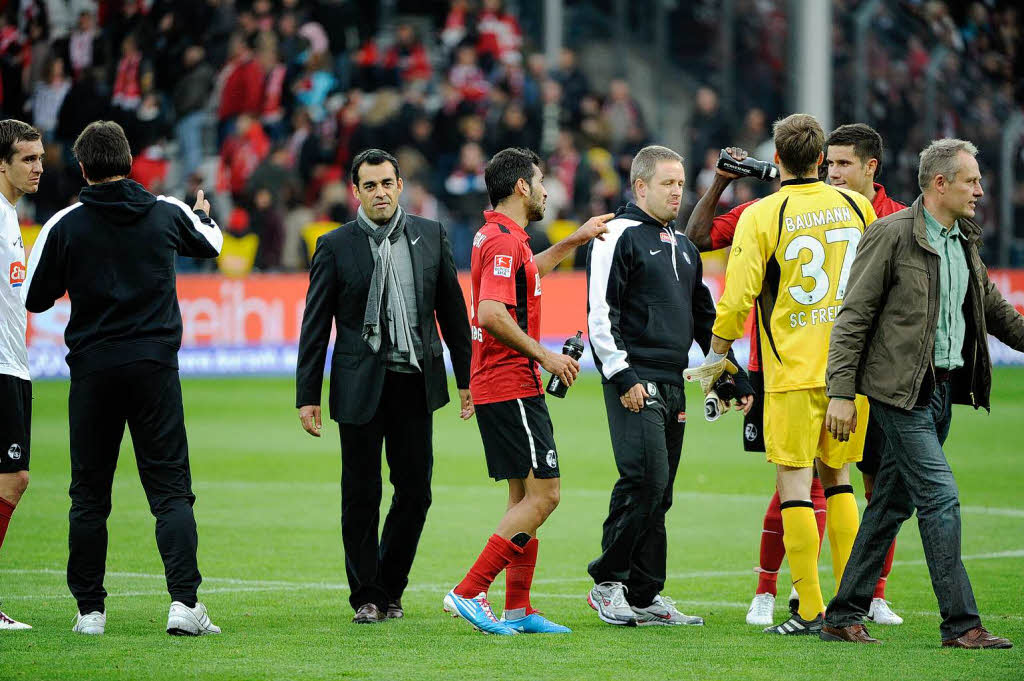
(574, 348)
(748, 167)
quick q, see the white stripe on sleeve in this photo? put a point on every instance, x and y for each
(212, 232)
(613, 359)
(37, 249)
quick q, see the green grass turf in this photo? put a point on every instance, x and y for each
(270, 550)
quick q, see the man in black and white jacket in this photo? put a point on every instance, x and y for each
(113, 254)
(647, 304)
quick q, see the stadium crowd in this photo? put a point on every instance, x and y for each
(265, 102)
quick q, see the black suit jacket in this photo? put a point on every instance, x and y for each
(339, 282)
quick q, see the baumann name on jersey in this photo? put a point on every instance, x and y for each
(818, 218)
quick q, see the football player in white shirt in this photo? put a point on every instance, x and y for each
(21, 166)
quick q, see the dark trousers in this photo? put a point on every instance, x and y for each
(647, 446)
(914, 475)
(378, 570)
(147, 397)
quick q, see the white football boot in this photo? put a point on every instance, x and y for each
(185, 621)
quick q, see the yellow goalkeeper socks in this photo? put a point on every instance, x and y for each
(842, 520)
(800, 535)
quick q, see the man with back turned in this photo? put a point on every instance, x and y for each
(113, 254)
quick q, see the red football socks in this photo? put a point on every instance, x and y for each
(6, 511)
(818, 499)
(886, 566)
(495, 557)
(772, 548)
(519, 577)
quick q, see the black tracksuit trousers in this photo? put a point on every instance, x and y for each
(145, 396)
(647, 447)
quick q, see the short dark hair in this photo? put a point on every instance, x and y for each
(374, 157)
(13, 131)
(865, 140)
(505, 169)
(103, 151)
(799, 141)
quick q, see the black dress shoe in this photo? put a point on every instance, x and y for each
(368, 613)
(395, 611)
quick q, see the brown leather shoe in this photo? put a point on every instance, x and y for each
(395, 611)
(978, 637)
(368, 613)
(855, 633)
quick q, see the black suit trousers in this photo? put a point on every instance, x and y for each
(378, 569)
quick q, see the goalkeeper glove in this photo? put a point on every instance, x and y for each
(709, 372)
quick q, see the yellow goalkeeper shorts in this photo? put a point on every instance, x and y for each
(795, 434)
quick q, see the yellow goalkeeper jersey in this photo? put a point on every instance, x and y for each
(791, 255)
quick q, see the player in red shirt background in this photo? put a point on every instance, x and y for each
(507, 391)
(853, 159)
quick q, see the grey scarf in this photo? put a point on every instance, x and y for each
(383, 283)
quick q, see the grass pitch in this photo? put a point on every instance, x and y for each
(270, 552)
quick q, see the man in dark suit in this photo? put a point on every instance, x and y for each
(387, 279)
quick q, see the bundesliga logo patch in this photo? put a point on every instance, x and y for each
(17, 274)
(503, 266)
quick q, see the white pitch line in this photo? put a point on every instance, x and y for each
(708, 574)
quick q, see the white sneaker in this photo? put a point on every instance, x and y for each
(762, 610)
(8, 624)
(91, 624)
(881, 613)
(185, 621)
(609, 599)
(663, 611)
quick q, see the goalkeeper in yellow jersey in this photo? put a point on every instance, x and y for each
(791, 255)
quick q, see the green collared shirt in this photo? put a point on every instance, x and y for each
(953, 277)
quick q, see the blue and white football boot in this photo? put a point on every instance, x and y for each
(535, 623)
(477, 611)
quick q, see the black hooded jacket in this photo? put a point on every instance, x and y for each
(113, 254)
(647, 301)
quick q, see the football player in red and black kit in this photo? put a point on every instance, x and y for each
(853, 159)
(506, 386)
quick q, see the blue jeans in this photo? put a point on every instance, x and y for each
(914, 475)
(189, 131)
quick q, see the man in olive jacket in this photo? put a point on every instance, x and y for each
(912, 336)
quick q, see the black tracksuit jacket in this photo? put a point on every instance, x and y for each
(647, 302)
(113, 254)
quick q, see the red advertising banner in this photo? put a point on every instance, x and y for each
(251, 325)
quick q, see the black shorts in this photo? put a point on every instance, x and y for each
(874, 444)
(15, 423)
(753, 422)
(518, 438)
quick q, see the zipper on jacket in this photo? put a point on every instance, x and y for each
(672, 241)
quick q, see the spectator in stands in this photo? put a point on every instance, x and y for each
(267, 222)
(84, 44)
(275, 176)
(191, 95)
(467, 77)
(572, 79)
(621, 111)
(498, 32)
(241, 154)
(127, 89)
(48, 96)
(708, 128)
(316, 83)
(467, 199)
(272, 114)
(241, 82)
(407, 60)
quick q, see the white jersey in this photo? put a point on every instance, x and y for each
(13, 317)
